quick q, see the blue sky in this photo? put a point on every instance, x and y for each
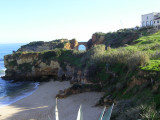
(23, 21)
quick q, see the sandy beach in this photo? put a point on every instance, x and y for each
(41, 103)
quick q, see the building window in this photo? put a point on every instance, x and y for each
(154, 22)
(151, 22)
(147, 24)
(157, 21)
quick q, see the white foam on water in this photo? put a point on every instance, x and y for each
(9, 100)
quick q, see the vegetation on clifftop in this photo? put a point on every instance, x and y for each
(125, 36)
(54, 44)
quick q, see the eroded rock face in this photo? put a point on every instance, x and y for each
(31, 66)
(76, 89)
(72, 44)
(97, 39)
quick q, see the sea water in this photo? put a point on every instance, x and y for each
(10, 91)
(82, 48)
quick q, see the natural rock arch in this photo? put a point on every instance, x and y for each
(82, 43)
(81, 47)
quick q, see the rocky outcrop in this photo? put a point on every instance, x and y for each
(41, 46)
(72, 44)
(78, 88)
(29, 66)
(97, 38)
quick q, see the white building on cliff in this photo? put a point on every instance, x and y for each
(151, 19)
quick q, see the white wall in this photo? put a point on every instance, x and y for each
(147, 19)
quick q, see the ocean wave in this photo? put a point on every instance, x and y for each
(7, 100)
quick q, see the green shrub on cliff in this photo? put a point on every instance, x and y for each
(94, 55)
(25, 67)
(115, 39)
(130, 58)
(149, 44)
(149, 112)
(100, 33)
(153, 65)
(71, 57)
(126, 57)
(49, 55)
(12, 63)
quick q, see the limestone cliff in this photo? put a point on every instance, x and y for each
(41, 66)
